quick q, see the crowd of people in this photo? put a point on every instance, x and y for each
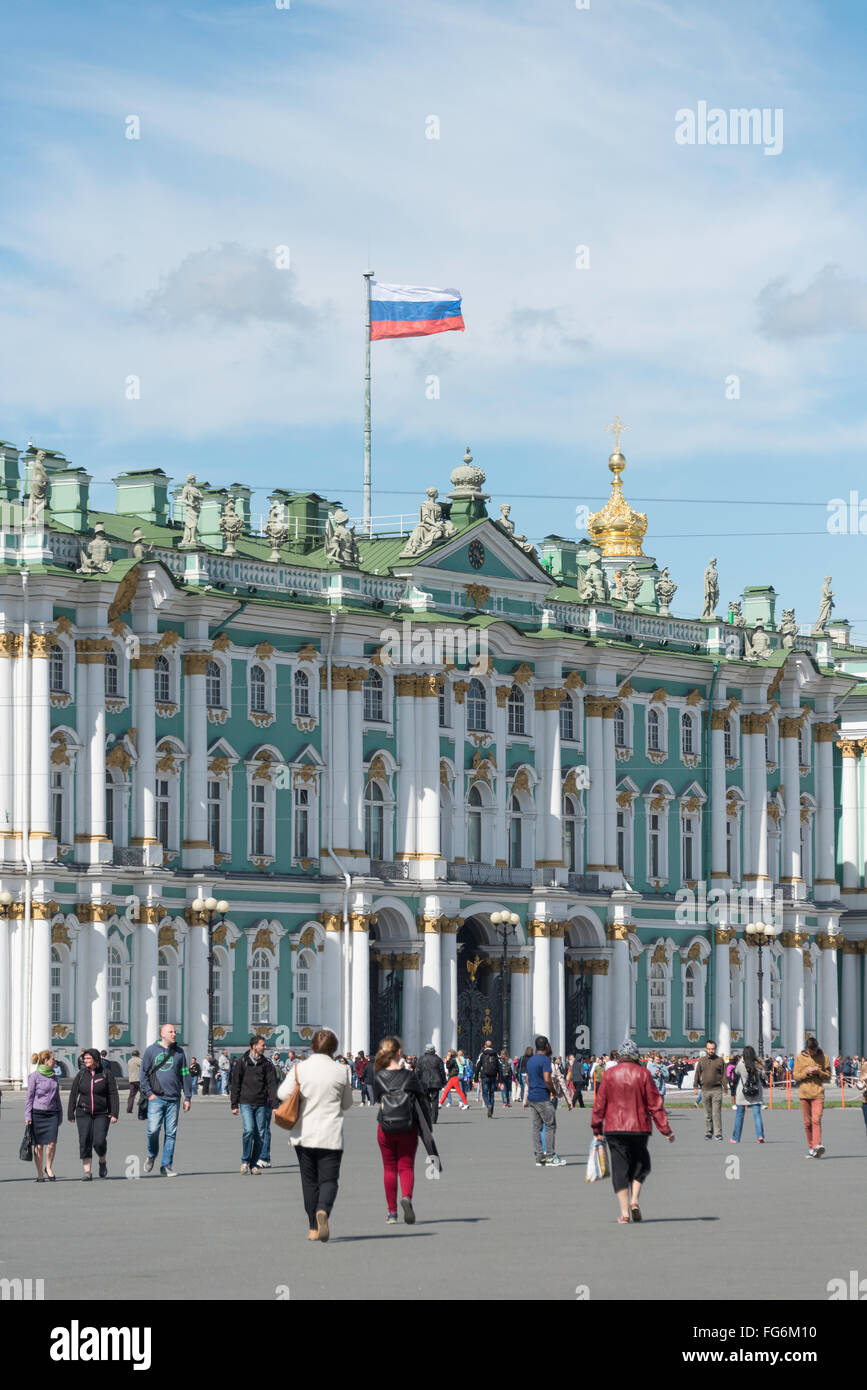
(316, 1091)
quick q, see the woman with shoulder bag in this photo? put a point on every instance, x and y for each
(398, 1091)
(93, 1104)
(317, 1136)
(812, 1071)
(43, 1111)
(747, 1089)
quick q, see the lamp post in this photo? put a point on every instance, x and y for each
(504, 924)
(761, 935)
(210, 909)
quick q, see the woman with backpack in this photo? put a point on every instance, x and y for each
(93, 1104)
(747, 1089)
(400, 1097)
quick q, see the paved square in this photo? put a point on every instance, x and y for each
(493, 1225)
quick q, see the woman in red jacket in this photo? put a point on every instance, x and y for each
(626, 1102)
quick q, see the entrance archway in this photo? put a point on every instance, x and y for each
(480, 992)
(580, 937)
(389, 940)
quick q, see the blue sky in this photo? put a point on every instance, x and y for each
(305, 127)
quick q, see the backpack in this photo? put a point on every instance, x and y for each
(396, 1110)
(490, 1068)
(505, 1069)
(751, 1087)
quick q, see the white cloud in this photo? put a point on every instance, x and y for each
(832, 303)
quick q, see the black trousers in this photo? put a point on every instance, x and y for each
(630, 1160)
(134, 1088)
(320, 1170)
(92, 1134)
(433, 1100)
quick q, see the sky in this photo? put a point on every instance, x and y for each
(712, 295)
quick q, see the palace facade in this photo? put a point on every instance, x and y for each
(377, 747)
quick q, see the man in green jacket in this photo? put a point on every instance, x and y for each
(710, 1076)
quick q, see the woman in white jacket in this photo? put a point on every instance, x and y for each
(326, 1091)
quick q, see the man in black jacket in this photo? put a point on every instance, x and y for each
(431, 1073)
(254, 1092)
(487, 1069)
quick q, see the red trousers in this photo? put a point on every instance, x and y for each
(398, 1157)
(812, 1111)
(453, 1082)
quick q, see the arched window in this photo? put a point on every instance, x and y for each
(444, 711)
(111, 674)
(301, 685)
(570, 834)
(686, 734)
(374, 821)
(727, 738)
(162, 681)
(372, 693)
(258, 687)
(567, 720)
(57, 806)
(653, 730)
(736, 995)
(301, 829)
(115, 985)
(515, 708)
(260, 988)
(219, 977)
(56, 669)
(56, 986)
(619, 727)
(163, 988)
(659, 994)
(162, 805)
(213, 685)
(446, 821)
(515, 846)
(806, 849)
(257, 819)
(477, 707)
(215, 814)
(655, 861)
(303, 972)
(691, 985)
(688, 850)
(474, 826)
(803, 748)
(111, 806)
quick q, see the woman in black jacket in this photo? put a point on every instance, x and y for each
(93, 1104)
(400, 1095)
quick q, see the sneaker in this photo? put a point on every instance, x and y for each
(541, 1161)
(718, 1138)
(263, 1163)
(408, 1213)
(465, 1107)
(817, 1153)
(555, 1162)
(391, 1219)
(255, 1171)
(735, 1141)
(760, 1141)
(708, 1136)
(103, 1168)
(85, 1177)
(811, 1153)
(245, 1167)
(167, 1172)
(490, 1114)
(149, 1163)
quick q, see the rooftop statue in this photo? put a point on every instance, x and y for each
(191, 497)
(96, 559)
(788, 628)
(140, 547)
(711, 592)
(276, 531)
(826, 603)
(231, 526)
(632, 582)
(38, 491)
(341, 547)
(665, 592)
(593, 586)
(505, 523)
(431, 529)
(737, 617)
(756, 644)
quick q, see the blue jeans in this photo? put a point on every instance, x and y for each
(489, 1091)
(254, 1120)
(739, 1121)
(195, 1081)
(265, 1155)
(161, 1108)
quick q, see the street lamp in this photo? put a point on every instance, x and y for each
(210, 909)
(761, 935)
(5, 902)
(504, 924)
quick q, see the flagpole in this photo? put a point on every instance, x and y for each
(367, 521)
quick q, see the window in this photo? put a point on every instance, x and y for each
(56, 986)
(567, 720)
(260, 988)
(111, 674)
(474, 826)
(655, 846)
(621, 841)
(109, 810)
(302, 823)
(305, 990)
(688, 857)
(372, 693)
(658, 998)
(690, 1021)
(686, 735)
(215, 815)
(515, 708)
(218, 987)
(55, 678)
(775, 997)
(514, 833)
(653, 730)
(374, 821)
(806, 851)
(257, 690)
(57, 806)
(162, 681)
(213, 685)
(477, 707)
(163, 988)
(619, 728)
(301, 686)
(163, 805)
(257, 820)
(571, 830)
(730, 849)
(803, 749)
(727, 739)
(115, 985)
(302, 981)
(444, 705)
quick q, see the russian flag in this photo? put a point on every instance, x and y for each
(412, 311)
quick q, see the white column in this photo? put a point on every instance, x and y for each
(332, 976)
(196, 851)
(558, 992)
(850, 1022)
(621, 985)
(751, 998)
(862, 1040)
(96, 744)
(411, 1024)
(82, 761)
(718, 798)
(405, 828)
(850, 749)
(449, 977)
(196, 980)
(791, 967)
(360, 983)
(144, 778)
(427, 760)
(7, 746)
(40, 997)
(748, 857)
(541, 965)
(829, 1009)
(147, 944)
(501, 847)
(459, 825)
(609, 772)
(431, 985)
(721, 1025)
(7, 990)
(355, 764)
(81, 995)
(824, 856)
(790, 860)
(757, 879)
(42, 844)
(596, 796)
(340, 760)
(98, 976)
(520, 1027)
(600, 1026)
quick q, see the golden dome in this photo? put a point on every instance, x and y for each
(617, 529)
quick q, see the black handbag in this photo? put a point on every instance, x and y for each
(142, 1107)
(25, 1153)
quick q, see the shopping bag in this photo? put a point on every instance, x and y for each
(25, 1153)
(598, 1163)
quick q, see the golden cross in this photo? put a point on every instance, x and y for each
(617, 430)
